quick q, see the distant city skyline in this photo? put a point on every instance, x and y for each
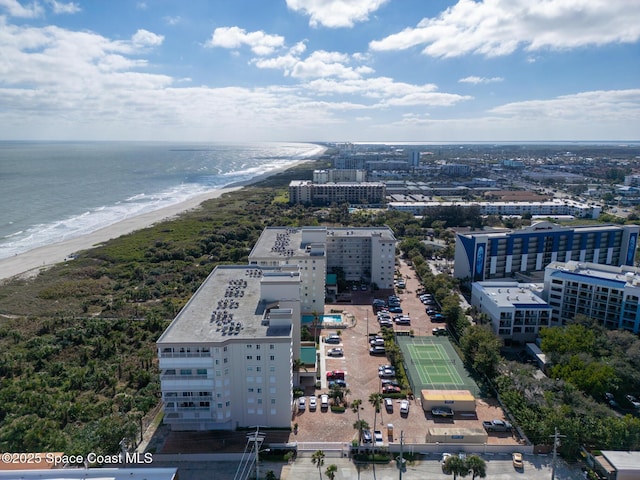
(321, 70)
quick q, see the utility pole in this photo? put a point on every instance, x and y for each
(400, 459)
(556, 440)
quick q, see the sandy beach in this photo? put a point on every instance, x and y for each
(31, 262)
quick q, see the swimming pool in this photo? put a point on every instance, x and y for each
(330, 319)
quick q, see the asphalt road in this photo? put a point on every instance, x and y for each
(499, 467)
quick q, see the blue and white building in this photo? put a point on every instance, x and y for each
(487, 255)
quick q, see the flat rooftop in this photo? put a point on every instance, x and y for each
(286, 242)
(594, 273)
(509, 294)
(228, 305)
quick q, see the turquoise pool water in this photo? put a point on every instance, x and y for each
(324, 319)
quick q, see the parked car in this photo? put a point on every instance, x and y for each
(404, 407)
(445, 412)
(366, 436)
(404, 320)
(385, 367)
(324, 401)
(376, 341)
(438, 331)
(516, 458)
(389, 381)
(391, 389)
(497, 425)
(312, 403)
(302, 403)
(395, 309)
(387, 373)
(333, 339)
(388, 405)
(335, 375)
(633, 400)
(335, 352)
(377, 436)
(377, 350)
(443, 462)
(337, 383)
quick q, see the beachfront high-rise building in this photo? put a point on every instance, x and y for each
(495, 255)
(226, 360)
(608, 294)
(360, 254)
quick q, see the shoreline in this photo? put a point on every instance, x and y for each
(31, 262)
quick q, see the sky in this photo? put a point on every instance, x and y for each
(320, 70)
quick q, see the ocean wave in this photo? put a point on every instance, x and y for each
(134, 203)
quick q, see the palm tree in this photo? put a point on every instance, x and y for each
(297, 365)
(454, 464)
(355, 407)
(315, 323)
(477, 466)
(318, 459)
(331, 471)
(360, 425)
(375, 399)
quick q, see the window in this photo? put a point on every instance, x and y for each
(185, 371)
(272, 346)
(202, 371)
(272, 357)
(258, 346)
(249, 357)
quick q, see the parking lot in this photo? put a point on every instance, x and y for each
(361, 377)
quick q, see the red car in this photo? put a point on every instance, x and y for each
(335, 375)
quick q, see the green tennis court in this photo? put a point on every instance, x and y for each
(432, 363)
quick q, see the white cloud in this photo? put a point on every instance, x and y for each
(64, 8)
(476, 80)
(498, 27)
(385, 92)
(319, 64)
(145, 38)
(173, 20)
(260, 42)
(16, 9)
(595, 105)
(336, 13)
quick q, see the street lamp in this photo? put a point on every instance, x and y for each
(258, 452)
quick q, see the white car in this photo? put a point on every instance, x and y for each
(302, 403)
(377, 436)
(404, 407)
(324, 401)
(312, 403)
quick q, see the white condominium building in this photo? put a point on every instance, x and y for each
(362, 254)
(516, 310)
(608, 294)
(226, 359)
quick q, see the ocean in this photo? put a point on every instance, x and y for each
(53, 191)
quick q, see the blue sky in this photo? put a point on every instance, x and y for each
(320, 70)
